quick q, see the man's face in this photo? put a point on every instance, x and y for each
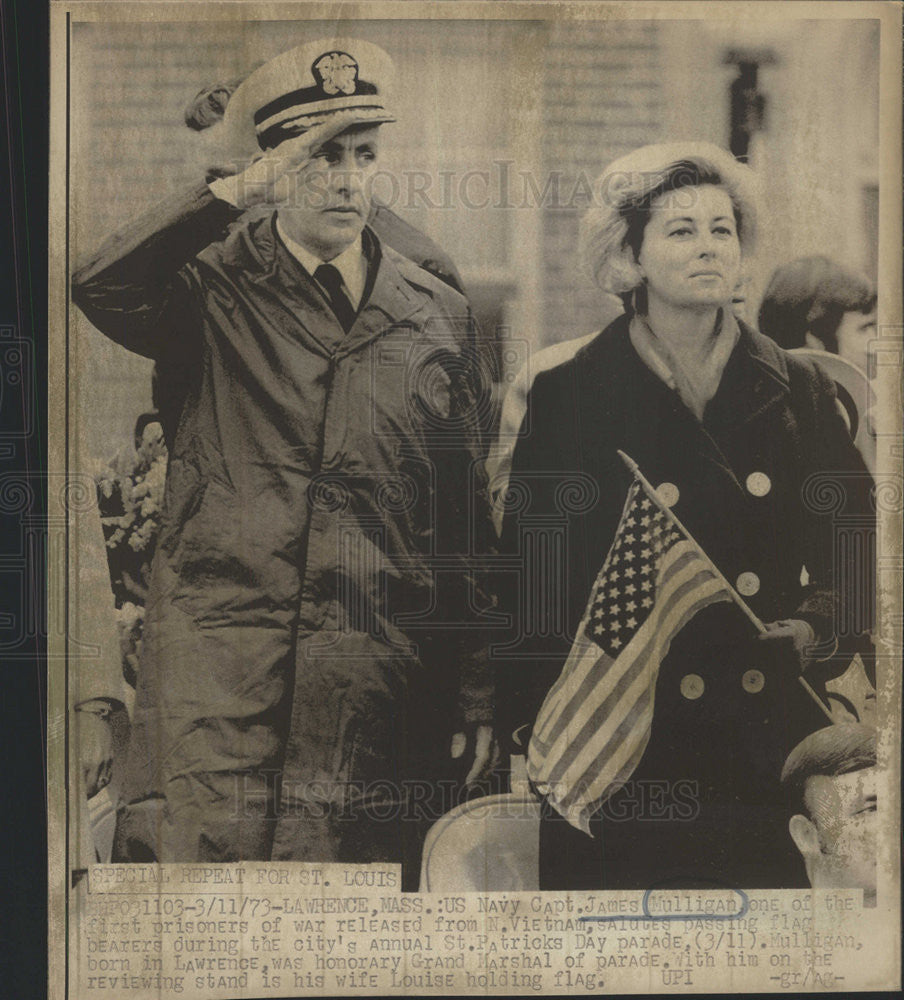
(843, 810)
(330, 200)
(855, 331)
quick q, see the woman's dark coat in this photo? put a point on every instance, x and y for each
(762, 483)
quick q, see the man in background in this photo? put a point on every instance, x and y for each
(817, 303)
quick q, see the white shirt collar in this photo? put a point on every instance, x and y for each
(351, 263)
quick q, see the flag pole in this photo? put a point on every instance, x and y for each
(634, 468)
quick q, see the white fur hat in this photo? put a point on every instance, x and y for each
(631, 179)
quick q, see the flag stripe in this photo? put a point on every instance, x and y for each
(571, 756)
(667, 558)
(595, 723)
(579, 813)
(607, 776)
(599, 680)
(638, 717)
(577, 668)
(592, 785)
(612, 689)
(581, 672)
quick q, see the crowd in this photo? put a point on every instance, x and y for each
(336, 645)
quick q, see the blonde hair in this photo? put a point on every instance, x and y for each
(612, 228)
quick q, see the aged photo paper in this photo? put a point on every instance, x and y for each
(475, 498)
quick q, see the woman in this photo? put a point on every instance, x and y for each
(741, 433)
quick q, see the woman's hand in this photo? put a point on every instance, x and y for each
(268, 178)
(790, 637)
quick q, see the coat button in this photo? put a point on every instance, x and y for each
(747, 584)
(758, 484)
(753, 681)
(692, 686)
(668, 493)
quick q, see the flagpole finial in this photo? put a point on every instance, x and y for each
(631, 464)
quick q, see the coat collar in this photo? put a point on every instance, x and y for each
(755, 378)
(755, 375)
(391, 300)
(388, 298)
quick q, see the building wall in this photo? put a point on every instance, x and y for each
(603, 96)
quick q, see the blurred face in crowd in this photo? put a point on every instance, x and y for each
(855, 331)
(691, 256)
(838, 839)
(330, 200)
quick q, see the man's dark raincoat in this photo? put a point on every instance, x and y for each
(305, 650)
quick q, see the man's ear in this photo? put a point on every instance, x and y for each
(803, 833)
(814, 343)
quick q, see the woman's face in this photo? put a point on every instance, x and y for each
(690, 255)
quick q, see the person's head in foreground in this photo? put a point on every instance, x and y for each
(830, 779)
(671, 227)
(815, 302)
(320, 107)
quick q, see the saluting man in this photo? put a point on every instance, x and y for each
(306, 674)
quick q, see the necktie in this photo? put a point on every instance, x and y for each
(331, 280)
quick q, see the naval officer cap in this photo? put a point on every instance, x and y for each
(302, 87)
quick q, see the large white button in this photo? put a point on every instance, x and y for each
(748, 584)
(692, 686)
(668, 493)
(753, 681)
(759, 484)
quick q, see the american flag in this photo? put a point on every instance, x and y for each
(594, 724)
